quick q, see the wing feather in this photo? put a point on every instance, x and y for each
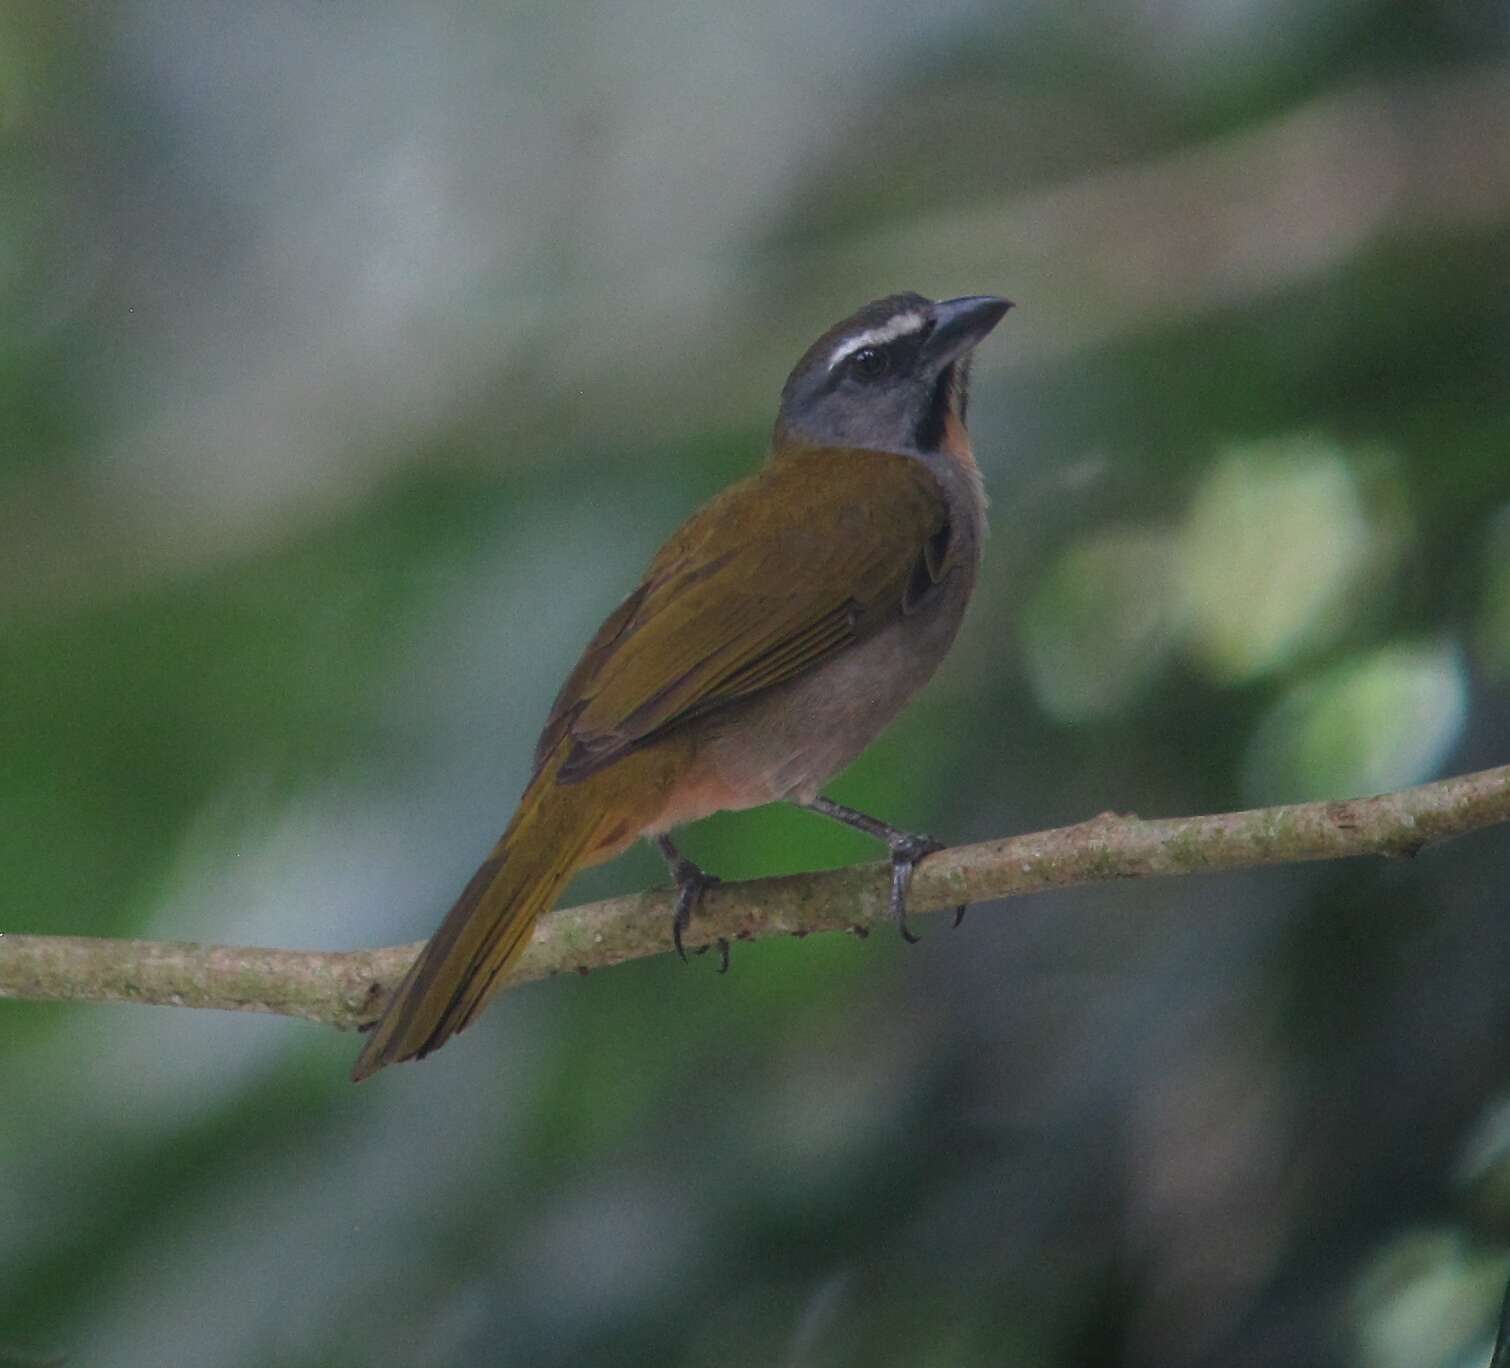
(770, 579)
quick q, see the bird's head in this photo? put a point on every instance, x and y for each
(893, 376)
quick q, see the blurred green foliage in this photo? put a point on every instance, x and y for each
(352, 362)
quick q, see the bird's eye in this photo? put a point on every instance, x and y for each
(871, 362)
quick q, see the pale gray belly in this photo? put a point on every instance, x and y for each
(789, 742)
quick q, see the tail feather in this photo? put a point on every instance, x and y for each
(489, 927)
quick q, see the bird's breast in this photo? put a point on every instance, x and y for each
(789, 741)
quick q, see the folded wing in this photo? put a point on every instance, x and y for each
(819, 550)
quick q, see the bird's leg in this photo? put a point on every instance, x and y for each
(691, 882)
(906, 850)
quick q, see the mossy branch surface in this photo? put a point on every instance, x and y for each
(347, 988)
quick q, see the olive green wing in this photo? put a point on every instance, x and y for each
(776, 575)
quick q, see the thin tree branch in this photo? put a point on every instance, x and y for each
(347, 988)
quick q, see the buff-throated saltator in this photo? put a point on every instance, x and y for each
(772, 637)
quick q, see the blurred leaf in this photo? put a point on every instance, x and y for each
(1424, 1300)
(1100, 622)
(1378, 722)
(1274, 546)
(1483, 1173)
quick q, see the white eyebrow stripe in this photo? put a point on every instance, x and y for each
(893, 328)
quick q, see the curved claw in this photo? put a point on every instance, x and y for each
(906, 847)
(722, 943)
(691, 883)
(904, 858)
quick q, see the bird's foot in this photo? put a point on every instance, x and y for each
(692, 881)
(907, 849)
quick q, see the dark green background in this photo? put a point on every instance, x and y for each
(354, 357)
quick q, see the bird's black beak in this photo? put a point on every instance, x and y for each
(959, 325)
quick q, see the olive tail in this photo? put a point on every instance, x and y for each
(461, 967)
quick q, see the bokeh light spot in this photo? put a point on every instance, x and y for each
(1100, 623)
(1375, 723)
(1275, 542)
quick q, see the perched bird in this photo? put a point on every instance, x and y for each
(770, 640)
